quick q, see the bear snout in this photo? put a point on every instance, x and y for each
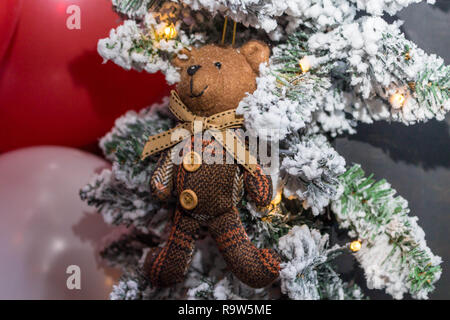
(196, 95)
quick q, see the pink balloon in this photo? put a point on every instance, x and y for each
(45, 227)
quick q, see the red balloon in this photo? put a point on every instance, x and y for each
(54, 88)
(9, 14)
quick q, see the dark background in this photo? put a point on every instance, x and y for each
(414, 159)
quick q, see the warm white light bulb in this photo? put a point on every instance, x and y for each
(170, 32)
(277, 199)
(397, 100)
(305, 64)
(355, 246)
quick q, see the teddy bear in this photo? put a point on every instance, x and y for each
(214, 79)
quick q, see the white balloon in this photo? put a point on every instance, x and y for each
(45, 228)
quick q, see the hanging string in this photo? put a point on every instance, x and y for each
(224, 30)
(234, 34)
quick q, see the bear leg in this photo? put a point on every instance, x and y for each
(255, 267)
(166, 266)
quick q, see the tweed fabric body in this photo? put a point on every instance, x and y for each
(161, 182)
(255, 267)
(213, 185)
(169, 265)
(218, 188)
(258, 187)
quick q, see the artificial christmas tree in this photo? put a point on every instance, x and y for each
(327, 71)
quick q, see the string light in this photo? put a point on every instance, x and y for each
(397, 100)
(276, 201)
(355, 246)
(408, 56)
(170, 32)
(273, 207)
(305, 64)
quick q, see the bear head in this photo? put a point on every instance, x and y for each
(216, 78)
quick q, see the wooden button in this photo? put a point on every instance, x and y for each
(188, 199)
(192, 161)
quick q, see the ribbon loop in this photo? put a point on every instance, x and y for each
(192, 124)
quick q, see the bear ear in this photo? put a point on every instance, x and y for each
(256, 52)
(180, 63)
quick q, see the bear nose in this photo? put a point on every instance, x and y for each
(193, 69)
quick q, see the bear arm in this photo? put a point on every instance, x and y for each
(258, 187)
(162, 177)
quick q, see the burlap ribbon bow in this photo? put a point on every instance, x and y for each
(192, 124)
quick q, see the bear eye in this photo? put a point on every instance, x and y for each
(218, 65)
